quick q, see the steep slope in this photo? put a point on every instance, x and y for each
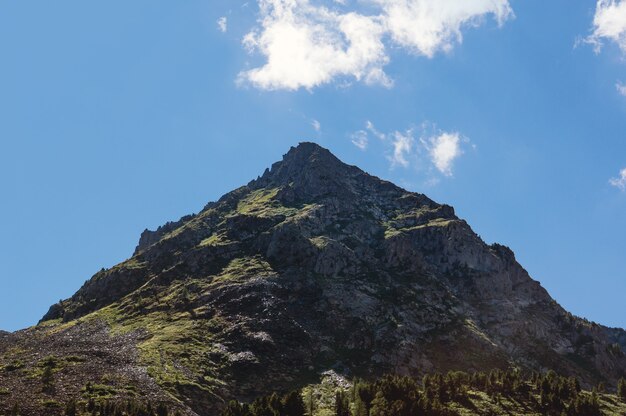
(318, 265)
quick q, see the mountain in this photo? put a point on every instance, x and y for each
(314, 266)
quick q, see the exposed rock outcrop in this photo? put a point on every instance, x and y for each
(317, 265)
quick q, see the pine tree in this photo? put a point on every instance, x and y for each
(234, 408)
(366, 395)
(342, 406)
(47, 377)
(621, 389)
(359, 407)
(161, 410)
(310, 402)
(575, 385)
(292, 404)
(380, 405)
(70, 408)
(426, 381)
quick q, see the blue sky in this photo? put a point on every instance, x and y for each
(119, 116)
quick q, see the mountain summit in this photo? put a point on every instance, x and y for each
(310, 171)
(314, 266)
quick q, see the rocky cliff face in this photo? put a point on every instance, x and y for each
(317, 265)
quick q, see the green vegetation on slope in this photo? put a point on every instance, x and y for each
(177, 331)
(452, 394)
(263, 203)
(93, 407)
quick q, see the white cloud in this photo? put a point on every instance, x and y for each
(370, 126)
(620, 181)
(609, 23)
(621, 88)
(443, 150)
(222, 24)
(317, 126)
(360, 139)
(429, 26)
(308, 43)
(402, 145)
(436, 151)
(307, 46)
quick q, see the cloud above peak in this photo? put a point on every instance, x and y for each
(222, 24)
(620, 181)
(434, 151)
(309, 43)
(444, 149)
(402, 145)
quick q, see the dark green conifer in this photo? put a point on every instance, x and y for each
(47, 377)
(162, 410)
(342, 405)
(70, 408)
(380, 405)
(366, 395)
(621, 389)
(292, 404)
(234, 408)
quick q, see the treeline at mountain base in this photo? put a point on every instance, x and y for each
(452, 394)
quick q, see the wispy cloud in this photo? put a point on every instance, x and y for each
(609, 23)
(620, 181)
(317, 126)
(434, 150)
(308, 43)
(359, 139)
(621, 88)
(402, 145)
(222, 24)
(372, 129)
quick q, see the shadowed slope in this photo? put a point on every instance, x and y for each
(318, 265)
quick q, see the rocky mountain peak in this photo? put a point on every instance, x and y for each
(311, 171)
(317, 265)
(306, 156)
(311, 152)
